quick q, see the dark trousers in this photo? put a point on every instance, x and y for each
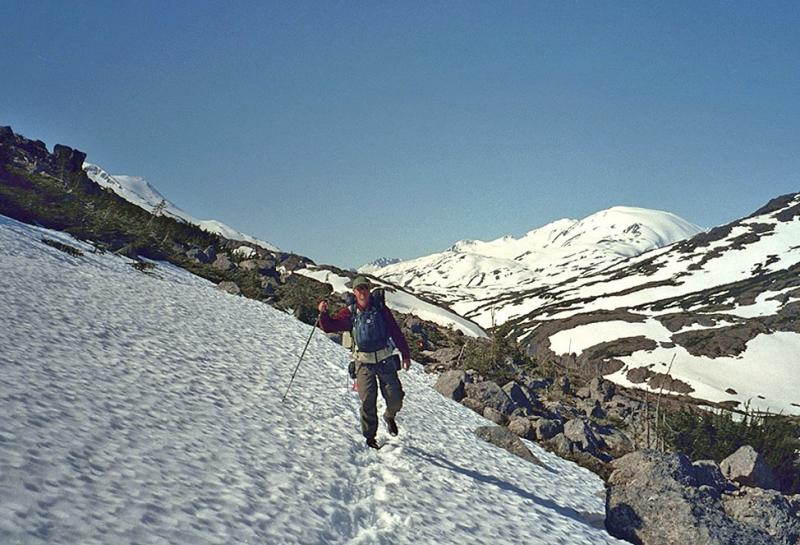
(368, 376)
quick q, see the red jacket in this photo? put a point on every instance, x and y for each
(343, 321)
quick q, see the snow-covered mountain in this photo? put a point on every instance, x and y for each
(141, 193)
(146, 408)
(379, 263)
(472, 275)
(719, 313)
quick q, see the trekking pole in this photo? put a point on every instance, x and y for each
(313, 329)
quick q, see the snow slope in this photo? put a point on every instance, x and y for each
(146, 408)
(474, 276)
(139, 192)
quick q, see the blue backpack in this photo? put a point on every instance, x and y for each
(369, 328)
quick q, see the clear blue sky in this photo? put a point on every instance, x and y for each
(348, 131)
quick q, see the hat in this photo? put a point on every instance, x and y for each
(360, 281)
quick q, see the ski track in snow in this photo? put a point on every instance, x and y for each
(146, 408)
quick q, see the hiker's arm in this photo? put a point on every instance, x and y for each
(397, 336)
(341, 322)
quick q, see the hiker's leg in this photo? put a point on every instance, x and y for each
(391, 389)
(368, 392)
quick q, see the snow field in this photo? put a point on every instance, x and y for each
(146, 408)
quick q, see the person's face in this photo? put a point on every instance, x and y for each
(362, 295)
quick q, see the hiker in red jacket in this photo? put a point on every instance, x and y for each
(372, 326)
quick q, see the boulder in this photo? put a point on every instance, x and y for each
(768, 510)
(229, 287)
(473, 404)
(490, 394)
(708, 473)
(520, 397)
(547, 428)
(578, 431)
(563, 446)
(617, 443)
(451, 385)
(490, 413)
(501, 437)
(522, 427)
(448, 357)
(747, 467)
(654, 498)
(223, 263)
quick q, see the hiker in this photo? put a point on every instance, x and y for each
(372, 326)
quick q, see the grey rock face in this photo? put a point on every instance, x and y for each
(747, 467)
(501, 437)
(548, 428)
(451, 385)
(490, 394)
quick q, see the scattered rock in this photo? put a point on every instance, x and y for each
(747, 467)
(503, 438)
(592, 409)
(601, 389)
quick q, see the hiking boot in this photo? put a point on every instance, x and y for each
(372, 443)
(392, 425)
